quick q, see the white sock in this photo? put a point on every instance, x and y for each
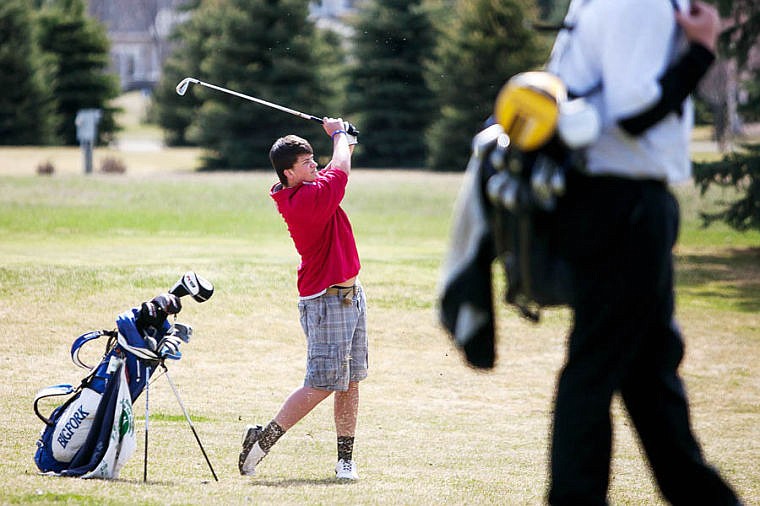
(253, 458)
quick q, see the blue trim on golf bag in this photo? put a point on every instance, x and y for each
(105, 383)
(79, 342)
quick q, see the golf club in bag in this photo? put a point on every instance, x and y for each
(186, 82)
(92, 433)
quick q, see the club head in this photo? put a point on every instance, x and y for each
(200, 289)
(485, 138)
(183, 85)
(184, 332)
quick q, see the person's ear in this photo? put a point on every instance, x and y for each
(289, 174)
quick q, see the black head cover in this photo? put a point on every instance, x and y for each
(191, 284)
(152, 315)
(168, 303)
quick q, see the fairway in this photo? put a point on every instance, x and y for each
(75, 251)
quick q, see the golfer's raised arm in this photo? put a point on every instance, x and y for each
(341, 157)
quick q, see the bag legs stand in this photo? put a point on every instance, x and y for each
(147, 407)
(187, 417)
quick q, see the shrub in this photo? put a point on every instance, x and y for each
(112, 166)
(45, 169)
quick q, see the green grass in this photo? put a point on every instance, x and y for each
(75, 251)
(133, 117)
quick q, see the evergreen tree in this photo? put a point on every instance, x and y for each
(267, 49)
(486, 43)
(79, 45)
(393, 39)
(329, 51)
(172, 112)
(27, 106)
(740, 169)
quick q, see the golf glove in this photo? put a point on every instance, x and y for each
(351, 133)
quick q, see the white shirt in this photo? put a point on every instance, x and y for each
(626, 45)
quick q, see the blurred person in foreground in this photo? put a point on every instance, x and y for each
(636, 62)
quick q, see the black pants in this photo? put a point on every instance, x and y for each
(619, 235)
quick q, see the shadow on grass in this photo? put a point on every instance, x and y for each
(300, 482)
(732, 276)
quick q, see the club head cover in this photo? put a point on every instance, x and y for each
(200, 289)
(168, 303)
(179, 289)
(150, 319)
(205, 290)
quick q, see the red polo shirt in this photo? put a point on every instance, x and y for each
(320, 230)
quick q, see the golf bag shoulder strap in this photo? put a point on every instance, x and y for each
(86, 338)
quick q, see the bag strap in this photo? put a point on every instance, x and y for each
(52, 391)
(140, 353)
(86, 338)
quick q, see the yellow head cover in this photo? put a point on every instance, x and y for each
(527, 107)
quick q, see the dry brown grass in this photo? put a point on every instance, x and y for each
(431, 430)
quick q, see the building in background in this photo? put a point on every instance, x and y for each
(331, 8)
(139, 32)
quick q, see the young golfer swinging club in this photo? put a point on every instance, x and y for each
(331, 305)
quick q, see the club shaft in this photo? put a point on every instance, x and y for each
(260, 101)
(190, 422)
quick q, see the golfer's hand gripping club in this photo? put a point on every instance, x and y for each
(350, 128)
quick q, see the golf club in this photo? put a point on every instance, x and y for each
(186, 82)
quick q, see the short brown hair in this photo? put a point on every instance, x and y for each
(285, 152)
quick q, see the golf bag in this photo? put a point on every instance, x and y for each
(92, 433)
(525, 222)
(510, 208)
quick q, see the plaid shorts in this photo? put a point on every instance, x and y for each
(336, 335)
